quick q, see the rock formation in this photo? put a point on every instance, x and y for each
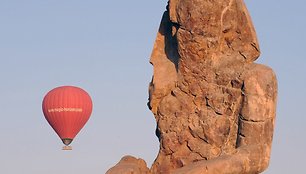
(130, 165)
(214, 107)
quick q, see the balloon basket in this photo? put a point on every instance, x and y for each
(67, 148)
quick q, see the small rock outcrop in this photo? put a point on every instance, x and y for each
(214, 107)
(129, 165)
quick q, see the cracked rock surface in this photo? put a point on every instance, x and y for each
(214, 107)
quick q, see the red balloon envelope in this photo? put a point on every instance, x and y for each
(67, 109)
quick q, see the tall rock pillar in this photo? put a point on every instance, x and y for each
(214, 107)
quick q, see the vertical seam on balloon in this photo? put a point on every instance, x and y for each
(75, 120)
(66, 115)
(53, 115)
(58, 116)
(86, 104)
(83, 114)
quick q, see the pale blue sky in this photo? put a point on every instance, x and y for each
(104, 47)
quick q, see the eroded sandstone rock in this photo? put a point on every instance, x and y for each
(214, 107)
(129, 165)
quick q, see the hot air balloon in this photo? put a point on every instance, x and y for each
(67, 109)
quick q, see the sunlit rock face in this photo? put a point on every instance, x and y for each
(208, 97)
(214, 107)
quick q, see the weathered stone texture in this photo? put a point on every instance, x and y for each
(214, 107)
(129, 165)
